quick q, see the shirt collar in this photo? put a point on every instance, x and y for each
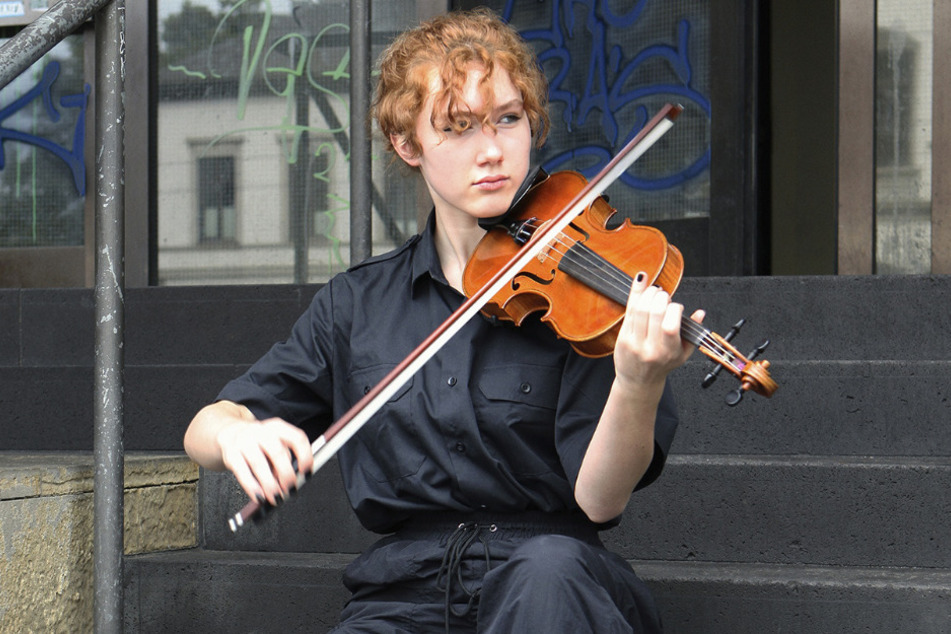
(425, 258)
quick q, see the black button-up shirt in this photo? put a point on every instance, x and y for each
(499, 419)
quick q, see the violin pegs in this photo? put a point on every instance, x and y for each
(711, 377)
(733, 397)
(760, 349)
(735, 330)
(715, 371)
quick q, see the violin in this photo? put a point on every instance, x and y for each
(581, 278)
(548, 240)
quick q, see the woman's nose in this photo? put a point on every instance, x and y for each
(491, 150)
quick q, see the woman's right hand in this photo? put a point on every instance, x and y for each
(260, 454)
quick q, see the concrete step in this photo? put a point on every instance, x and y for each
(832, 510)
(862, 363)
(205, 591)
(211, 591)
(731, 598)
(159, 403)
(835, 510)
(830, 317)
(877, 408)
(823, 408)
(806, 318)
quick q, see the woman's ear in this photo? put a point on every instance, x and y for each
(405, 150)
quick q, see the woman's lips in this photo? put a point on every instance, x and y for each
(492, 183)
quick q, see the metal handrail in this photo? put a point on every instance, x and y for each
(38, 37)
(17, 55)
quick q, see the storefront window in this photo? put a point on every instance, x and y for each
(903, 79)
(253, 141)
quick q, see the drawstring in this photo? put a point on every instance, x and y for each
(460, 540)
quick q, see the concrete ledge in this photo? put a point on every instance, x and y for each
(46, 530)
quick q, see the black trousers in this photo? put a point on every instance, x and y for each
(524, 573)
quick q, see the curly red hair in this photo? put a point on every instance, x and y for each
(450, 44)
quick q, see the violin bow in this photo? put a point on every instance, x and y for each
(330, 442)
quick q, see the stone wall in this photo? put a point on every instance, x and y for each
(46, 530)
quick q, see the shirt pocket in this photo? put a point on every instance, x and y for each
(517, 415)
(390, 446)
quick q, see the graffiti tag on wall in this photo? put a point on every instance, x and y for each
(606, 86)
(72, 155)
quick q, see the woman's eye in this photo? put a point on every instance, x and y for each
(510, 118)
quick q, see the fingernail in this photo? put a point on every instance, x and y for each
(640, 277)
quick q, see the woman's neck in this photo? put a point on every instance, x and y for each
(456, 239)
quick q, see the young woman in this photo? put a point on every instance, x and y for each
(493, 471)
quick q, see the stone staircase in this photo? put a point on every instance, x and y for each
(823, 509)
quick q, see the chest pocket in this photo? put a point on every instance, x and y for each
(390, 440)
(517, 416)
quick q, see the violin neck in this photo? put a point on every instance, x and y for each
(599, 274)
(586, 266)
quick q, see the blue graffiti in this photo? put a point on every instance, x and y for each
(73, 157)
(607, 72)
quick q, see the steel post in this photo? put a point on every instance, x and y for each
(361, 177)
(110, 316)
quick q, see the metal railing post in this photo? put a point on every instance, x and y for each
(16, 55)
(110, 319)
(361, 177)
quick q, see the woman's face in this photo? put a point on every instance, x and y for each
(477, 171)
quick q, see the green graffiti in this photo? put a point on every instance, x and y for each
(329, 215)
(343, 205)
(188, 73)
(284, 66)
(321, 175)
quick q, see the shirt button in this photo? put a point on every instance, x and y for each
(451, 381)
(525, 387)
(461, 447)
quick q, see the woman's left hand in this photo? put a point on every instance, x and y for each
(649, 345)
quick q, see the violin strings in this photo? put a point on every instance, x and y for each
(616, 279)
(619, 281)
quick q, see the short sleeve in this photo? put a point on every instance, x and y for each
(294, 379)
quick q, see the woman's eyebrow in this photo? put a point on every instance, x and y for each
(466, 113)
(511, 103)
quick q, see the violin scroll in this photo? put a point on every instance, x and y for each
(753, 375)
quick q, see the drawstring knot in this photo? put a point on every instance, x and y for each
(460, 540)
